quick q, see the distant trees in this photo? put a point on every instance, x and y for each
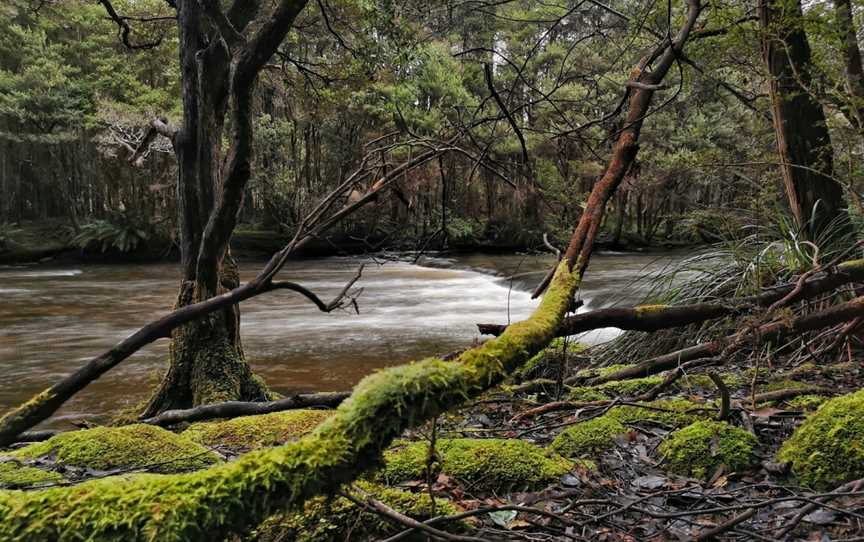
(800, 125)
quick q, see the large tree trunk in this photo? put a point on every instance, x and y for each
(207, 362)
(803, 142)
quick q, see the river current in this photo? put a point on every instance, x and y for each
(53, 319)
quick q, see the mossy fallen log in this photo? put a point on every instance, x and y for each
(234, 497)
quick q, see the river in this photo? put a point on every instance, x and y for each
(53, 319)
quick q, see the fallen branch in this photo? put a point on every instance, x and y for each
(382, 509)
(782, 395)
(657, 317)
(768, 332)
(233, 409)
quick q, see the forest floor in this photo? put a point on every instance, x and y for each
(540, 460)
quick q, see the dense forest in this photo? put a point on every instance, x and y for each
(230, 141)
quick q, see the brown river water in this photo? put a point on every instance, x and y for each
(53, 319)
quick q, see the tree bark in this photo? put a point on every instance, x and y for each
(218, 75)
(803, 141)
(853, 68)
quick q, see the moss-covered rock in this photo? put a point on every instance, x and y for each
(484, 463)
(588, 437)
(253, 432)
(540, 362)
(15, 475)
(325, 520)
(828, 448)
(701, 447)
(131, 446)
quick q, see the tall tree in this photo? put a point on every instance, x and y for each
(220, 58)
(803, 141)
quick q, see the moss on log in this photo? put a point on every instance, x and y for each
(235, 497)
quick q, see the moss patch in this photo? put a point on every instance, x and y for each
(15, 475)
(587, 437)
(701, 447)
(325, 520)
(253, 432)
(674, 412)
(484, 463)
(131, 446)
(806, 402)
(828, 448)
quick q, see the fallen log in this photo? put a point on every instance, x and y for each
(657, 317)
(233, 409)
(772, 331)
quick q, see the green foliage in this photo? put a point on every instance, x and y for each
(588, 437)
(7, 232)
(700, 448)
(105, 235)
(828, 448)
(486, 463)
(253, 432)
(127, 447)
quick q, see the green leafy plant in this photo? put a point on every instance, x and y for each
(106, 235)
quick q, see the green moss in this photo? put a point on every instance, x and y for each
(588, 374)
(701, 447)
(631, 387)
(131, 446)
(828, 448)
(673, 412)
(14, 475)
(806, 402)
(485, 463)
(587, 394)
(588, 437)
(231, 498)
(253, 432)
(646, 309)
(785, 385)
(324, 520)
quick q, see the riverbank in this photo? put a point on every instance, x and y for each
(53, 242)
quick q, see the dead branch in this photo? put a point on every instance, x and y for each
(233, 409)
(385, 511)
(767, 332)
(657, 317)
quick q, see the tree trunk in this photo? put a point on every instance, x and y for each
(207, 363)
(853, 68)
(803, 142)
